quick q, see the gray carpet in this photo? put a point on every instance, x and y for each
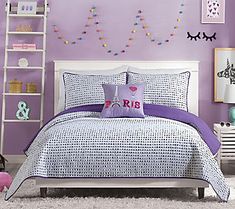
(28, 198)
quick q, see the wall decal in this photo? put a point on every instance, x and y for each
(198, 36)
(224, 72)
(209, 37)
(22, 112)
(213, 11)
(140, 23)
(195, 38)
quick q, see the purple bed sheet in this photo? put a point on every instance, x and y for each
(162, 112)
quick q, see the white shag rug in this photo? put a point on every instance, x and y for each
(28, 198)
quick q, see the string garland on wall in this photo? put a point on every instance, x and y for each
(140, 23)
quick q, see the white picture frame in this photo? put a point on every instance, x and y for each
(213, 11)
(27, 7)
(224, 71)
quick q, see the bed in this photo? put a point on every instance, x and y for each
(139, 181)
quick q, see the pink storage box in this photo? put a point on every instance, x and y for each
(24, 46)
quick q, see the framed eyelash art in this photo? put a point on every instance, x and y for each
(224, 71)
(213, 11)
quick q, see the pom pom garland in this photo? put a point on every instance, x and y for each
(93, 20)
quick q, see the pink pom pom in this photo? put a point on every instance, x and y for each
(5, 180)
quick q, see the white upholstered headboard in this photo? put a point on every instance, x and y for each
(157, 66)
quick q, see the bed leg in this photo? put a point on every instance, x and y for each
(43, 192)
(201, 193)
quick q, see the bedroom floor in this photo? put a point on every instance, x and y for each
(28, 197)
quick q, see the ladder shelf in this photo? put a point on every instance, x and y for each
(11, 15)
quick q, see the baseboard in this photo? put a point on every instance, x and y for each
(15, 159)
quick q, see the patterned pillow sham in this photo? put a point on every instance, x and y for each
(87, 89)
(164, 89)
(123, 101)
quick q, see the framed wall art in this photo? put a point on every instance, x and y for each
(27, 7)
(224, 71)
(213, 11)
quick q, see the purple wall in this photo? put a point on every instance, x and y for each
(117, 20)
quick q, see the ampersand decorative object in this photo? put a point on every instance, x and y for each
(23, 111)
(232, 115)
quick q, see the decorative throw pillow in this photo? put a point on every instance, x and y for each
(123, 101)
(164, 89)
(87, 89)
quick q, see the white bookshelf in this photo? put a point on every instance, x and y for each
(226, 135)
(11, 16)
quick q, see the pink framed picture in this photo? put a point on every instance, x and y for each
(213, 11)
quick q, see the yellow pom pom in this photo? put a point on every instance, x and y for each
(178, 20)
(148, 34)
(66, 42)
(105, 45)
